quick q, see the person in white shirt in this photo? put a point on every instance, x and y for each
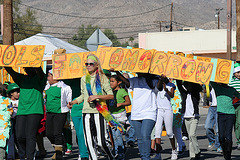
(165, 91)
(144, 110)
(190, 93)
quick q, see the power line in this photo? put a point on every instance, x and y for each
(145, 25)
(23, 33)
(88, 34)
(76, 16)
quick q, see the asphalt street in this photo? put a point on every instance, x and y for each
(132, 153)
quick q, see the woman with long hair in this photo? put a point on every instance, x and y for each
(95, 90)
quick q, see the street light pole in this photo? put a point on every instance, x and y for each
(218, 16)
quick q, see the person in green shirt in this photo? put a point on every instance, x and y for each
(117, 108)
(30, 107)
(226, 115)
(235, 83)
(58, 95)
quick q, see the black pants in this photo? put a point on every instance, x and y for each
(12, 142)
(54, 127)
(225, 128)
(26, 132)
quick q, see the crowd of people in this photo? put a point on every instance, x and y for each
(109, 110)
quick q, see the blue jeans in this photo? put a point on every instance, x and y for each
(143, 129)
(211, 120)
(118, 142)
(130, 135)
(78, 124)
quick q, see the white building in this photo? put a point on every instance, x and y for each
(207, 43)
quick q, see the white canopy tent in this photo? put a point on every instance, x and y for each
(51, 43)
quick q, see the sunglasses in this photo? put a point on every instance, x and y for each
(89, 64)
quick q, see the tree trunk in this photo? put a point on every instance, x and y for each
(238, 29)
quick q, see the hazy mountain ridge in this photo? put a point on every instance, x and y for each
(198, 13)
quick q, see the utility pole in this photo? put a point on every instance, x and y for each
(8, 38)
(171, 17)
(229, 29)
(218, 16)
(238, 29)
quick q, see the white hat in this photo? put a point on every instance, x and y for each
(237, 69)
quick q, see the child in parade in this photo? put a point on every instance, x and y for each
(95, 90)
(30, 107)
(165, 91)
(5, 121)
(226, 115)
(211, 121)
(144, 108)
(58, 95)
(13, 92)
(177, 119)
(190, 93)
(117, 108)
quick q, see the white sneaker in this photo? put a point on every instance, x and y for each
(157, 157)
(174, 155)
(184, 138)
(211, 146)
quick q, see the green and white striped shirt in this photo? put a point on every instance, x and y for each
(235, 83)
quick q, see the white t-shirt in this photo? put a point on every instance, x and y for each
(189, 107)
(144, 99)
(214, 98)
(163, 99)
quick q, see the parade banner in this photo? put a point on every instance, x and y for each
(68, 66)
(222, 69)
(5, 76)
(182, 68)
(172, 64)
(132, 60)
(21, 55)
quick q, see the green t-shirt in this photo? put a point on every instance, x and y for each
(119, 97)
(53, 99)
(224, 98)
(31, 97)
(77, 110)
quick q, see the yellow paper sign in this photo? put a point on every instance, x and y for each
(21, 55)
(181, 68)
(223, 71)
(67, 66)
(137, 60)
(5, 77)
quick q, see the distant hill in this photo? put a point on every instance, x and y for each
(197, 13)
